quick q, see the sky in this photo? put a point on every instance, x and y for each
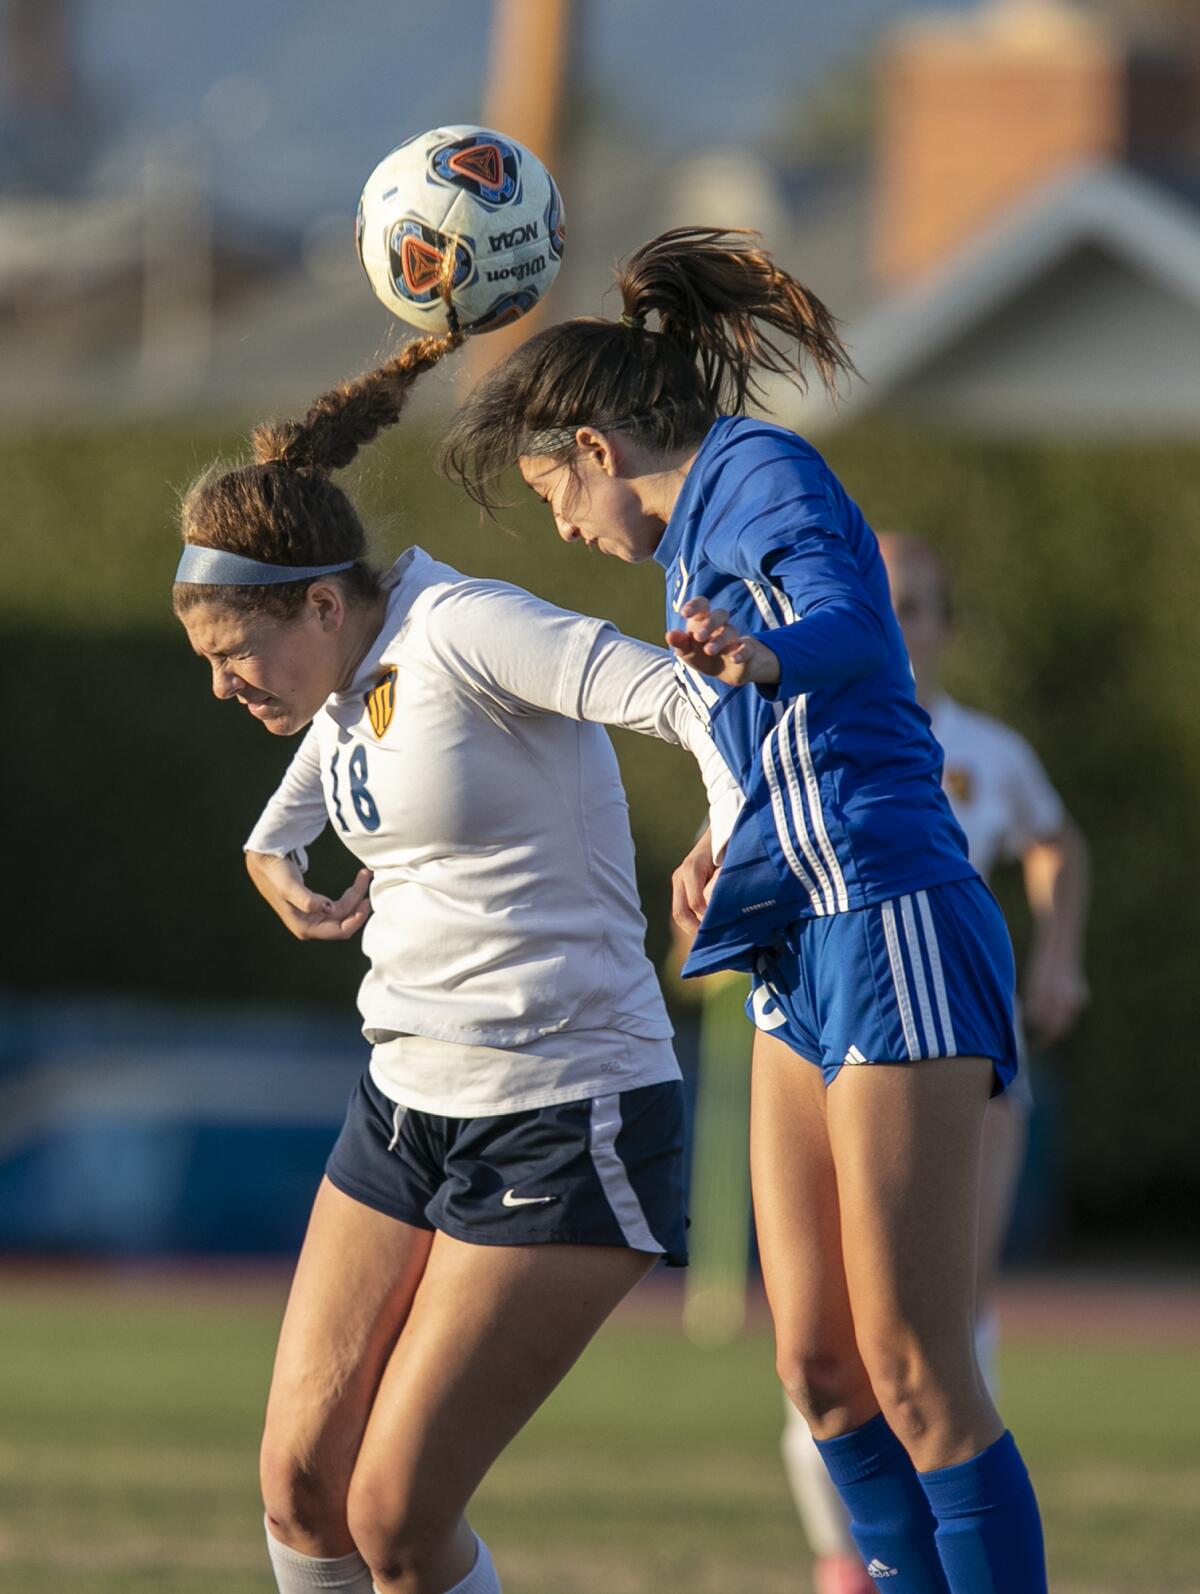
(293, 96)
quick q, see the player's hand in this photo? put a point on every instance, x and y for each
(712, 645)
(1055, 994)
(691, 884)
(309, 916)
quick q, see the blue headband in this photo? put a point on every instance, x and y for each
(214, 567)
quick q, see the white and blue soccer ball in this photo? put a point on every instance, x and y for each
(477, 193)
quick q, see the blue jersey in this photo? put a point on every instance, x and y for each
(840, 769)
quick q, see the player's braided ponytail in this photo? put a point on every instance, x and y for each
(351, 414)
(284, 509)
(726, 314)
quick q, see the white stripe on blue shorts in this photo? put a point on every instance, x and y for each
(928, 983)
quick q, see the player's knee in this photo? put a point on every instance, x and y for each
(903, 1395)
(818, 1381)
(396, 1537)
(303, 1504)
(916, 1399)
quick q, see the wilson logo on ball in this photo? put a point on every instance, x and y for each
(519, 271)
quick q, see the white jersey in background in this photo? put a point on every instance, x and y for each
(467, 767)
(1000, 794)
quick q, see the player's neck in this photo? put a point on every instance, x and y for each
(659, 489)
(363, 626)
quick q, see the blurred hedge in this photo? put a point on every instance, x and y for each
(1077, 580)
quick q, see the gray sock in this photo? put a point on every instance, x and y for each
(300, 1574)
(481, 1579)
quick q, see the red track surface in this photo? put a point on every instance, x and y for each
(1094, 1307)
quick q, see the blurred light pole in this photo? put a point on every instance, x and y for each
(528, 72)
(177, 267)
(38, 58)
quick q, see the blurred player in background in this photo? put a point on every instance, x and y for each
(511, 1162)
(882, 969)
(1010, 812)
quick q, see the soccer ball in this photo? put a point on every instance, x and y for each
(477, 193)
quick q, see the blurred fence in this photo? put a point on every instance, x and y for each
(138, 1131)
(1077, 583)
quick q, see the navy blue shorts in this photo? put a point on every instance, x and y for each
(607, 1170)
(927, 975)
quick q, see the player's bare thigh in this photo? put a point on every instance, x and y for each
(1005, 1131)
(492, 1330)
(800, 1245)
(354, 1284)
(906, 1141)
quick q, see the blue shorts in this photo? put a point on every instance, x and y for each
(607, 1170)
(926, 975)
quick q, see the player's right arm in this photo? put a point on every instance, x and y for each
(276, 856)
(309, 916)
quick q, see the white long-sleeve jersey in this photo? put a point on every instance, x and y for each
(1000, 794)
(467, 767)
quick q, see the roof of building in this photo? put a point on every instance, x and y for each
(1150, 231)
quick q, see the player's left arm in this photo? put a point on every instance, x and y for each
(632, 685)
(1053, 855)
(692, 883)
(527, 655)
(835, 637)
(1057, 884)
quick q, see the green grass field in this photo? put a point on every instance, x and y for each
(129, 1418)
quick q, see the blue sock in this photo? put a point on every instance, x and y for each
(989, 1533)
(889, 1514)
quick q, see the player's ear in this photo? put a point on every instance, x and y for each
(600, 448)
(326, 605)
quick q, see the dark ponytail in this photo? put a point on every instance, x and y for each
(284, 509)
(726, 316)
(719, 298)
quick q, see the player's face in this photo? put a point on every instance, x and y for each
(593, 506)
(920, 607)
(281, 671)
